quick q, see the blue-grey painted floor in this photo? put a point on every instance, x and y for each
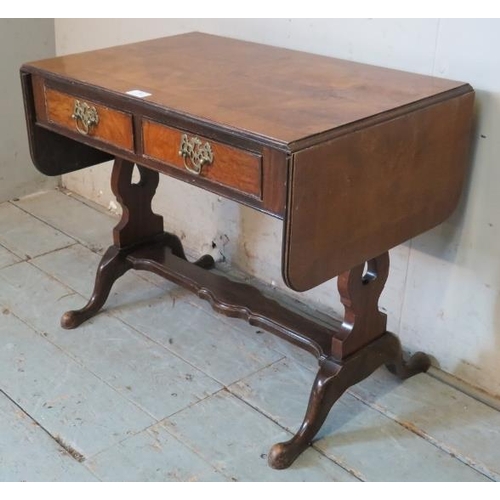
(160, 388)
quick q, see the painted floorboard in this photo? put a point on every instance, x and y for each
(222, 352)
(26, 236)
(28, 453)
(72, 217)
(141, 370)
(7, 258)
(35, 297)
(219, 348)
(76, 267)
(152, 455)
(99, 388)
(265, 338)
(449, 418)
(68, 401)
(235, 439)
(354, 435)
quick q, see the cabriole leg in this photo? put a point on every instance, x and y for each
(329, 385)
(138, 223)
(113, 265)
(362, 346)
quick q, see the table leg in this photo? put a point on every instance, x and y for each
(138, 226)
(360, 347)
(113, 265)
(333, 379)
(348, 352)
(139, 222)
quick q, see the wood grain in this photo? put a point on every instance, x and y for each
(115, 127)
(267, 92)
(240, 170)
(360, 292)
(52, 153)
(368, 158)
(275, 171)
(332, 380)
(357, 196)
(57, 149)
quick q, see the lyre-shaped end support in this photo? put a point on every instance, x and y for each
(139, 225)
(138, 222)
(333, 379)
(360, 290)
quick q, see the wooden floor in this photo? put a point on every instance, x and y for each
(159, 388)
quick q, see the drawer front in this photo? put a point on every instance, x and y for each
(231, 167)
(89, 119)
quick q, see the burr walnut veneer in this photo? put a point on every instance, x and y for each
(354, 159)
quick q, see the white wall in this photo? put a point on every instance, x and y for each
(442, 295)
(21, 40)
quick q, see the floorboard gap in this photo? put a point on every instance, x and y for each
(69, 449)
(75, 454)
(438, 444)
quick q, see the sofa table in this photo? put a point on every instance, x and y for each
(354, 159)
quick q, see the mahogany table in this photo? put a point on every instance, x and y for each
(354, 159)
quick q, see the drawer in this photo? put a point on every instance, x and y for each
(238, 169)
(89, 118)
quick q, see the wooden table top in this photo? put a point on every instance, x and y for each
(285, 96)
(356, 159)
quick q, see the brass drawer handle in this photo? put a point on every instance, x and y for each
(85, 115)
(195, 154)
